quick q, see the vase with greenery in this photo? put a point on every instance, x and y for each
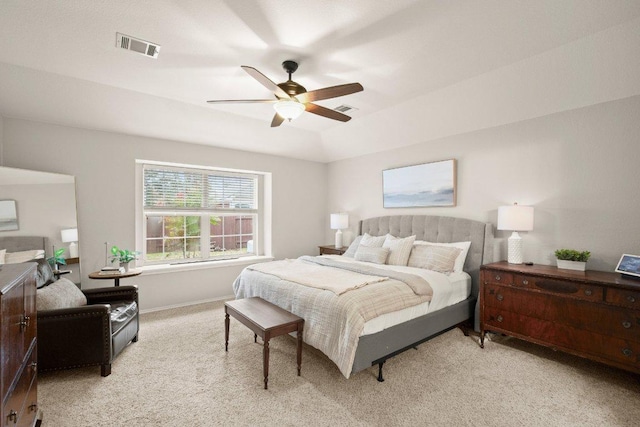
(123, 256)
(56, 259)
(572, 259)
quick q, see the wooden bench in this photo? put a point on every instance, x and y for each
(266, 320)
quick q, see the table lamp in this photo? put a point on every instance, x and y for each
(339, 221)
(515, 218)
(70, 235)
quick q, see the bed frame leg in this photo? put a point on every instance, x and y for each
(380, 379)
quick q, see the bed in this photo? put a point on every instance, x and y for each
(373, 345)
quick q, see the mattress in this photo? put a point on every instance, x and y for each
(447, 290)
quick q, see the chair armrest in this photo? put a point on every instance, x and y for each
(94, 310)
(111, 294)
(77, 336)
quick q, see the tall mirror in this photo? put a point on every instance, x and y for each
(45, 206)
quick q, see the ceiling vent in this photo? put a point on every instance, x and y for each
(137, 45)
(344, 108)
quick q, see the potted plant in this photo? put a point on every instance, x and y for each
(571, 259)
(56, 258)
(123, 256)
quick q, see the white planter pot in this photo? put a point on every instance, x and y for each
(572, 265)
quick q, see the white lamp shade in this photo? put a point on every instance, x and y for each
(339, 221)
(515, 218)
(69, 235)
(288, 109)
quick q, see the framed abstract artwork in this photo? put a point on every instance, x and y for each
(426, 185)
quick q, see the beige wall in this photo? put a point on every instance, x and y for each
(104, 166)
(579, 169)
(1, 139)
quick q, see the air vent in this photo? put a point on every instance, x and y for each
(137, 45)
(344, 108)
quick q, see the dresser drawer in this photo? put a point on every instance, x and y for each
(21, 405)
(624, 298)
(582, 291)
(497, 277)
(12, 333)
(595, 317)
(565, 337)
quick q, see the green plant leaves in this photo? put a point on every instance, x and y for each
(123, 255)
(572, 255)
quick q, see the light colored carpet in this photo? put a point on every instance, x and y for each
(178, 374)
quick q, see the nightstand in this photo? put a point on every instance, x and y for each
(331, 250)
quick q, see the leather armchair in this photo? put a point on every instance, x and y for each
(89, 335)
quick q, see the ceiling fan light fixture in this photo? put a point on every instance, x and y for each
(288, 109)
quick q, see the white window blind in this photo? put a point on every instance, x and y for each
(173, 188)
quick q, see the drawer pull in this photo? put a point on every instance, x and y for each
(498, 278)
(34, 367)
(13, 416)
(588, 292)
(627, 352)
(500, 319)
(630, 298)
(626, 324)
(525, 282)
(499, 297)
(33, 407)
(24, 323)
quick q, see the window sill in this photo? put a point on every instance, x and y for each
(168, 268)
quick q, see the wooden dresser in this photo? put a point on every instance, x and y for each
(18, 339)
(592, 314)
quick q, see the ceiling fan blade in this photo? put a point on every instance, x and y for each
(277, 120)
(329, 92)
(326, 112)
(242, 101)
(265, 81)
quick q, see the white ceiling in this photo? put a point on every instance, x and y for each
(59, 64)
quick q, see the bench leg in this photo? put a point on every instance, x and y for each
(299, 336)
(265, 355)
(226, 330)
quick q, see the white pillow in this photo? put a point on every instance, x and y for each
(371, 254)
(23, 256)
(2, 253)
(372, 241)
(432, 257)
(367, 240)
(62, 293)
(353, 247)
(459, 266)
(399, 249)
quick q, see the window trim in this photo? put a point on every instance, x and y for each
(262, 227)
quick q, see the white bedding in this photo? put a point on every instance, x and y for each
(447, 290)
(335, 323)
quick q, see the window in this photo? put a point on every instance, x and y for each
(193, 214)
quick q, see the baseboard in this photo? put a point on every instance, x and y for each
(186, 304)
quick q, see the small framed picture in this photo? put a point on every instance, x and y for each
(629, 264)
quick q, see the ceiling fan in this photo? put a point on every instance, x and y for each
(292, 99)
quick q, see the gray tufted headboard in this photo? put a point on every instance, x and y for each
(24, 243)
(440, 229)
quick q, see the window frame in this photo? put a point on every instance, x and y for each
(260, 213)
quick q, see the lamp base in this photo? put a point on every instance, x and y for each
(73, 250)
(514, 249)
(338, 243)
